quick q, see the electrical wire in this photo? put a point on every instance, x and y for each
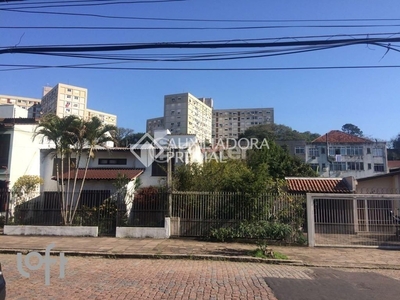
(194, 45)
(25, 67)
(94, 3)
(193, 28)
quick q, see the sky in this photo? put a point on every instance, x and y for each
(316, 100)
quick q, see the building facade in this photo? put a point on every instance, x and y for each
(338, 154)
(154, 124)
(230, 123)
(19, 152)
(23, 102)
(64, 100)
(185, 114)
(12, 111)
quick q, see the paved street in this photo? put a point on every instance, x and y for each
(102, 278)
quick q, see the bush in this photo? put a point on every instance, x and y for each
(260, 230)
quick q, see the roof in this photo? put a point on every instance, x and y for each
(394, 164)
(103, 173)
(317, 185)
(337, 137)
(390, 174)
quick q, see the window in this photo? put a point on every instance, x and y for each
(4, 149)
(379, 168)
(112, 161)
(322, 150)
(299, 150)
(313, 152)
(377, 152)
(339, 166)
(350, 150)
(369, 166)
(315, 167)
(368, 150)
(357, 166)
(57, 165)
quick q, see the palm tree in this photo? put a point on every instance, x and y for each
(95, 133)
(58, 130)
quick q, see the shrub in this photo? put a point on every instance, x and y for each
(260, 230)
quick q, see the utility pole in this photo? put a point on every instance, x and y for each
(169, 178)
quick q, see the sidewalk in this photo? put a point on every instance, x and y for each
(194, 249)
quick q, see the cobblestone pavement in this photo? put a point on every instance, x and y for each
(101, 278)
(105, 278)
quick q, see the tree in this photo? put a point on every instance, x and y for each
(73, 135)
(122, 136)
(352, 129)
(26, 185)
(394, 148)
(95, 133)
(277, 132)
(277, 162)
(58, 130)
(395, 142)
(258, 173)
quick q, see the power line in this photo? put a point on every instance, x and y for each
(204, 20)
(24, 67)
(194, 45)
(91, 4)
(193, 28)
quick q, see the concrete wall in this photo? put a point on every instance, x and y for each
(24, 156)
(12, 111)
(388, 184)
(145, 232)
(51, 230)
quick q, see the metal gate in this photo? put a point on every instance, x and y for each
(353, 220)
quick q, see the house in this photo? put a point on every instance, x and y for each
(380, 184)
(19, 153)
(393, 165)
(338, 154)
(147, 161)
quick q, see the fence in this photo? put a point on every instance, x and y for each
(354, 220)
(198, 213)
(193, 214)
(95, 208)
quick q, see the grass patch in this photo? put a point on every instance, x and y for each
(278, 255)
(257, 253)
(260, 254)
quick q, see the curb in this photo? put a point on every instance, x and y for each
(112, 255)
(116, 255)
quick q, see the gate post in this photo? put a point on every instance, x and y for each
(310, 221)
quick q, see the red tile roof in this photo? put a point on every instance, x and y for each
(337, 136)
(317, 185)
(393, 164)
(103, 174)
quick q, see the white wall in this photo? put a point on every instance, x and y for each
(12, 111)
(24, 153)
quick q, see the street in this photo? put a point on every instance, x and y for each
(106, 278)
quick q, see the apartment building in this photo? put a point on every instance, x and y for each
(338, 154)
(185, 114)
(154, 124)
(230, 123)
(64, 100)
(23, 102)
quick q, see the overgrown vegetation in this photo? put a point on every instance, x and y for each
(258, 231)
